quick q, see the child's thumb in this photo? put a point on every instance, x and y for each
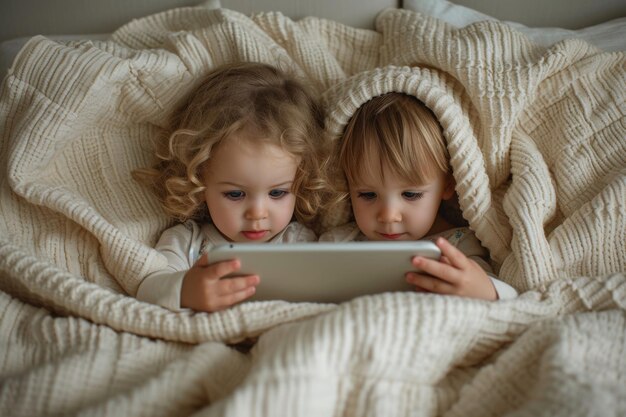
(203, 260)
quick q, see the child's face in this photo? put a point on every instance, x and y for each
(387, 207)
(248, 190)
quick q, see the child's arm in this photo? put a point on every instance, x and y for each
(454, 274)
(183, 285)
(205, 289)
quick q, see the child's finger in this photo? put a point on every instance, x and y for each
(226, 301)
(203, 260)
(429, 284)
(233, 285)
(437, 269)
(220, 269)
(455, 257)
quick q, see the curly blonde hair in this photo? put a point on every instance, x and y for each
(231, 99)
(397, 128)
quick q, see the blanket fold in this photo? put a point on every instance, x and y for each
(536, 138)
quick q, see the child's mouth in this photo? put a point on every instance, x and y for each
(391, 236)
(254, 234)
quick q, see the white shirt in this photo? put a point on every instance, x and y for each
(182, 245)
(461, 237)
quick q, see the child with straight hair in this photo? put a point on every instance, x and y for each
(240, 164)
(395, 164)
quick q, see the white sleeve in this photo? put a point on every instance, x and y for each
(504, 290)
(471, 247)
(164, 287)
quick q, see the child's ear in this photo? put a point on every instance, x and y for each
(448, 190)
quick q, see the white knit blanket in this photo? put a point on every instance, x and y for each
(537, 138)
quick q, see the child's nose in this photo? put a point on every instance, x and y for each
(257, 210)
(388, 213)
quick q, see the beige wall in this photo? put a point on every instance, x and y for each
(61, 17)
(357, 13)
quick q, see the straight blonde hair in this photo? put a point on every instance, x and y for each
(399, 132)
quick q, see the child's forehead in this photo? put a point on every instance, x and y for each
(373, 168)
(378, 172)
(230, 153)
(252, 167)
(249, 141)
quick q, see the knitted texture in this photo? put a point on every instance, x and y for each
(536, 138)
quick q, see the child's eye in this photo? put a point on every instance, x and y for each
(276, 194)
(234, 195)
(412, 195)
(367, 195)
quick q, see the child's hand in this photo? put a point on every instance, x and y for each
(454, 274)
(203, 289)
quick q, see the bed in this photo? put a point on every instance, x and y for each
(535, 122)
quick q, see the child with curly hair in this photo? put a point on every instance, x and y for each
(241, 164)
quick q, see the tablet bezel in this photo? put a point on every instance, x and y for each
(325, 272)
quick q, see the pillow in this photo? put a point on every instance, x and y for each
(609, 36)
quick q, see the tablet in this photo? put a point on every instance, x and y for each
(325, 272)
